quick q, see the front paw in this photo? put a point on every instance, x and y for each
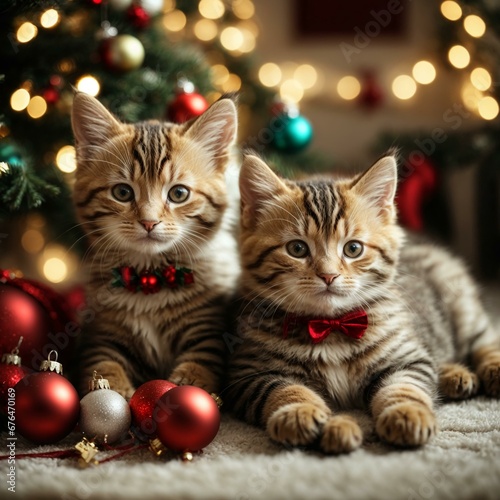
(341, 434)
(296, 424)
(457, 382)
(406, 424)
(191, 373)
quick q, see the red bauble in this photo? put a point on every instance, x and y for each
(143, 402)
(51, 95)
(187, 417)
(10, 375)
(186, 106)
(138, 17)
(47, 407)
(371, 95)
(37, 313)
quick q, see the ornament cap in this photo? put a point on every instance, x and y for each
(50, 365)
(157, 447)
(98, 382)
(13, 357)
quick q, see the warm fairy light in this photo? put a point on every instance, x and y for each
(451, 10)
(291, 91)
(232, 84)
(55, 270)
(306, 75)
(475, 26)
(249, 41)
(244, 9)
(26, 32)
(49, 18)
(214, 96)
(348, 87)
(66, 159)
(168, 6)
(470, 96)
(89, 85)
(459, 56)
(480, 78)
(175, 20)
(231, 38)
(404, 87)
(220, 74)
(205, 30)
(32, 241)
(37, 107)
(270, 74)
(20, 99)
(211, 9)
(424, 72)
(487, 108)
(4, 167)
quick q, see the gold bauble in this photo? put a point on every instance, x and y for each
(125, 53)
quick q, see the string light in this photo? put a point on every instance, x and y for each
(470, 96)
(451, 10)
(244, 9)
(205, 30)
(26, 32)
(20, 99)
(404, 87)
(220, 74)
(232, 84)
(459, 56)
(306, 75)
(89, 85)
(37, 107)
(348, 87)
(424, 72)
(231, 38)
(291, 91)
(270, 74)
(32, 241)
(49, 18)
(475, 26)
(211, 9)
(175, 20)
(248, 41)
(487, 108)
(66, 159)
(55, 270)
(480, 78)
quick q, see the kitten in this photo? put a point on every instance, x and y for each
(318, 252)
(162, 263)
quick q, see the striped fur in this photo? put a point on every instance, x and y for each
(425, 318)
(175, 334)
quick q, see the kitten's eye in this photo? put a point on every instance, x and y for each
(297, 249)
(123, 192)
(178, 194)
(353, 249)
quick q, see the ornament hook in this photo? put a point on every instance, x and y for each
(55, 354)
(15, 351)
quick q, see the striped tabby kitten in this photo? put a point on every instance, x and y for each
(154, 202)
(316, 257)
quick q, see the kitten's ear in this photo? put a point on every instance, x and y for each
(216, 128)
(91, 121)
(379, 183)
(258, 185)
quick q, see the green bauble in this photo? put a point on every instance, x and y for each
(10, 155)
(291, 133)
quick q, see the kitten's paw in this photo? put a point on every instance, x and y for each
(192, 373)
(457, 382)
(113, 373)
(406, 424)
(487, 361)
(296, 423)
(341, 434)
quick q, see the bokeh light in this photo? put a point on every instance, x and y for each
(451, 10)
(475, 26)
(49, 18)
(306, 75)
(348, 87)
(89, 85)
(424, 72)
(211, 9)
(459, 56)
(404, 87)
(291, 91)
(26, 32)
(175, 20)
(205, 30)
(231, 38)
(480, 78)
(66, 159)
(487, 108)
(37, 107)
(20, 99)
(270, 74)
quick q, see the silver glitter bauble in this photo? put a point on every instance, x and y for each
(104, 415)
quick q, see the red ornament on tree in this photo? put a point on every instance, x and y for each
(371, 95)
(51, 95)
(187, 418)
(38, 314)
(47, 405)
(11, 372)
(187, 103)
(138, 17)
(143, 402)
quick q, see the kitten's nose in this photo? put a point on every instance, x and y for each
(328, 278)
(149, 224)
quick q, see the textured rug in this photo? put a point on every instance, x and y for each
(461, 462)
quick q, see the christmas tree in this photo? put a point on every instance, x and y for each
(143, 59)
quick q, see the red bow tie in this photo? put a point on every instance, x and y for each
(353, 324)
